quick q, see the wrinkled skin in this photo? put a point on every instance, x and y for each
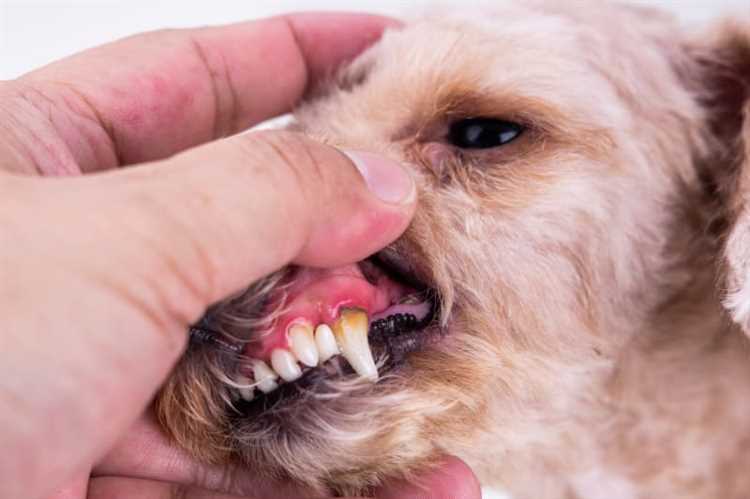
(102, 274)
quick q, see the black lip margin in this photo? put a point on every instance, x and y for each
(398, 268)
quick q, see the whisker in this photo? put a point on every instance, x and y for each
(207, 336)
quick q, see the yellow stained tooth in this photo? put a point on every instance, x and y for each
(350, 331)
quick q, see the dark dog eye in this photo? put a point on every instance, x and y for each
(483, 133)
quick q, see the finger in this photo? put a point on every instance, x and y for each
(140, 253)
(231, 212)
(145, 453)
(152, 95)
(74, 489)
(453, 479)
(130, 488)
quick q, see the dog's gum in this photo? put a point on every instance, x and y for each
(317, 297)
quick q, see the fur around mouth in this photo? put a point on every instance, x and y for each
(406, 324)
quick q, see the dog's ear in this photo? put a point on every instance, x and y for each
(723, 60)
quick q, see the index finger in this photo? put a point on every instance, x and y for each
(146, 454)
(152, 95)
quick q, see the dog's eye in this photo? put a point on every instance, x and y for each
(483, 133)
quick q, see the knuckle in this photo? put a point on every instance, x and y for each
(163, 269)
(301, 173)
(300, 165)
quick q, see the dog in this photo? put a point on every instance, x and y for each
(567, 311)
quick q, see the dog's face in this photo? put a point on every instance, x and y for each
(556, 163)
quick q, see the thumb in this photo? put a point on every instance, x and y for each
(101, 274)
(235, 210)
(452, 479)
(208, 222)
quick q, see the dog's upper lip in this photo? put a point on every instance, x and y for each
(403, 269)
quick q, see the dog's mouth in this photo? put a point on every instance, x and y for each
(356, 321)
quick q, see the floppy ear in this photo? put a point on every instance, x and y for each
(725, 69)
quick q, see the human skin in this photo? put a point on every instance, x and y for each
(103, 267)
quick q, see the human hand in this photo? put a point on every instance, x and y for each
(101, 274)
(145, 465)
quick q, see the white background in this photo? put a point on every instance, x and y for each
(35, 32)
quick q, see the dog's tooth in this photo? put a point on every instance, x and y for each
(325, 342)
(284, 363)
(303, 344)
(265, 377)
(247, 391)
(351, 335)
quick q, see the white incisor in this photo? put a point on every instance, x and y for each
(325, 342)
(303, 344)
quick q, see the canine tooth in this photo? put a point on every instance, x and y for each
(247, 391)
(351, 334)
(265, 378)
(325, 342)
(303, 344)
(284, 363)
